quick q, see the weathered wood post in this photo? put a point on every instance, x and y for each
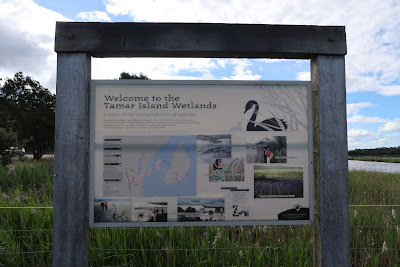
(71, 165)
(331, 227)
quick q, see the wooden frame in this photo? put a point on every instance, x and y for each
(77, 42)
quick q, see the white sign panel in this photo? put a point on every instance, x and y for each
(167, 153)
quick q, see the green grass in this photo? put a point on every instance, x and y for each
(30, 185)
(378, 189)
(26, 185)
(278, 173)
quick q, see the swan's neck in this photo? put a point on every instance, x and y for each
(254, 116)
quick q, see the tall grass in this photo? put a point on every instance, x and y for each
(373, 229)
(235, 173)
(202, 246)
(26, 185)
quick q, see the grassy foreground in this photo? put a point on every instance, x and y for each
(375, 231)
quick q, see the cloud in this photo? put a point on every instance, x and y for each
(361, 138)
(304, 76)
(391, 126)
(27, 41)
(356, 107)
(155, 68)
(175, 68)
(359, 83)
(364, 119)
(222, 62)
(241, 70)
(372, 28)
(94, 16)
(358, 133)
(357, 138)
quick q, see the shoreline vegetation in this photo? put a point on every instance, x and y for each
(26, 234)
(387, 159)
(381, 154)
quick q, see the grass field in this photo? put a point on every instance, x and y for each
(277, 173)
(26, 234)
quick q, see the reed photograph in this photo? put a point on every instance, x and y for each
(226, 170)
(278, 182)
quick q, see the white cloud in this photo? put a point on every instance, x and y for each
(27, 41)
(391, 126)
(155, 68)
(304, 76)
(222, 62)
(358, 83)
(372, 28)
(361, 138)
(364, 119)
(358, 133)
(93, 16)
(358, 138)
(241, 70)
(356, 107)
(172, 68)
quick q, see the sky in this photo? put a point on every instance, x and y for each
(27, 29)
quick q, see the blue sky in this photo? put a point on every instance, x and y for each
(27, 30)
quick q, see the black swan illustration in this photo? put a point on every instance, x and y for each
(270, 124)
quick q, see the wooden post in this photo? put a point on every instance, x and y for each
(331, 227)
(71, 156)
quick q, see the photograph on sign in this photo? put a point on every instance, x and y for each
(169, 153)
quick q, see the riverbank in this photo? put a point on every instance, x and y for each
(388, 159)
(372, 166)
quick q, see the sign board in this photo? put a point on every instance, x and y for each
(183, 153)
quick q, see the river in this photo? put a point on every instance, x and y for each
(374, 166)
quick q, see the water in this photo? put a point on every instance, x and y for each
(356, 165)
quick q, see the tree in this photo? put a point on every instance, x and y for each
(126, 75)
(8, 139)
(28, 109)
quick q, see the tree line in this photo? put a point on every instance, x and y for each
(381, 151)
(27, 112)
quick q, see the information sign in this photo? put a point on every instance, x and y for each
(173, 153)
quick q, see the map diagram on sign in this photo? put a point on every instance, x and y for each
(149, 166)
